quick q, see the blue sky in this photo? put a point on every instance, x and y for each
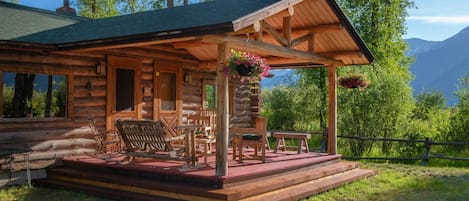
(432, 19)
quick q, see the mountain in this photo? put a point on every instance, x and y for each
(439, 65)
(281, 77)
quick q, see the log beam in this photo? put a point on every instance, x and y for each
(276, 34)
(222, 112)
(287, 30)
(263, 13)
(265, 48)
(332, 93)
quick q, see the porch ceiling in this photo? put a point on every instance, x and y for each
(332, 36)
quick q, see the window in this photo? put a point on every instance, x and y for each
(209, 94)
(168, 91)
(125, 85)
(33, 95)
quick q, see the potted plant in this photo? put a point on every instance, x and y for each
(246, 66)
(353, 81)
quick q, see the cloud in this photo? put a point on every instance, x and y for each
(441, 19)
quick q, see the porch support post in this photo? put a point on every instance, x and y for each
(222, 113)
(332, 92)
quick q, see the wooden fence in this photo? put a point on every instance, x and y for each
(425, 157)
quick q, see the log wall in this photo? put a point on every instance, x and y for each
(49, 139)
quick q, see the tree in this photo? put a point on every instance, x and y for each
(108, 8)
(460, 121)
(22, 99)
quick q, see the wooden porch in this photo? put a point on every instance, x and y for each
(284, 176)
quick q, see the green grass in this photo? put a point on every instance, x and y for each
(404, 182)
(26, 193)
(393, 182)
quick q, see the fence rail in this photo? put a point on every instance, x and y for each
(425, 157)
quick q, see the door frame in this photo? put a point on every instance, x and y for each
(163, 66)
(114, 62)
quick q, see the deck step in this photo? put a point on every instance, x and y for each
(135, 184)
(283, 181)
(313, 187)
(100, 192)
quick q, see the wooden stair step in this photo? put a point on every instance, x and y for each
(286, 180)
(313, 187)
(137, 184)
(100, 192)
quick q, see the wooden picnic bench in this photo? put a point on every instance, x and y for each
(280, 140)
(146, 138)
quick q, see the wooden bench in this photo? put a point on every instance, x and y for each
(280, 140)
(145, 138)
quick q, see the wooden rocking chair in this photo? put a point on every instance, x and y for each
(106, 140)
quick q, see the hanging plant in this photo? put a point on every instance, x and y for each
(246, 66)
(353, 81)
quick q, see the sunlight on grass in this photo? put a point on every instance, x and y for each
(25, 193)
(404, 182)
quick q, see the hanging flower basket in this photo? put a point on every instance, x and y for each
(353, 81)
(246, 66)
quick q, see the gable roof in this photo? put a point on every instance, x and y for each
(177, 20)
(19, 21)
(63, 32)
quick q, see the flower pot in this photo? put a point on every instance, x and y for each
(243, 71)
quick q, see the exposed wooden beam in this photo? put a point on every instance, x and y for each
(265, 48)
(300, 40)
(211, 65)
(277, 36)
(287, 30)
(311, 46)
(263, 13)
(138, 44)
(144, 53)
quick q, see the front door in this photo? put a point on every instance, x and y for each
(168, 103)
(124, 91)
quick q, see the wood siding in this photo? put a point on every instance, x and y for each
(48, 139)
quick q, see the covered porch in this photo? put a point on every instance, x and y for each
(284, 176)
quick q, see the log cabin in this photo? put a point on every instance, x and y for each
(154, 65)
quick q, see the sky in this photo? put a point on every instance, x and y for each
(434, 20)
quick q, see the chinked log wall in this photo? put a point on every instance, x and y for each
(45, 141)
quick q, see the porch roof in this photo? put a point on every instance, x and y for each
(330, 35)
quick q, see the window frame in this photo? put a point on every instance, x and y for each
(39, 69)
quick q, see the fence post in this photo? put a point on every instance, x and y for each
(324, 141)
(426, 157)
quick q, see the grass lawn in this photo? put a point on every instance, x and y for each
(393, 182)
(404, 182)
(25, 193)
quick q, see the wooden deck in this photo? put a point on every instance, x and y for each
(284, 176)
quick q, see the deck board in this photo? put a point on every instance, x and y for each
(284, 173)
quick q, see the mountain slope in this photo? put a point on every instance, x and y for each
(439, 65)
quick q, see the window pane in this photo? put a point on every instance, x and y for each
(210, 96)
(168, 91)
(125, 85)
(33, 95)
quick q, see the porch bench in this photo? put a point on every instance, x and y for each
(280, 140)
(145, 138)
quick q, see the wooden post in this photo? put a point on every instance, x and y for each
(222, 113)
(332, 135)
(426, 157)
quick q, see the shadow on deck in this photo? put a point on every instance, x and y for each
(284, 176)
